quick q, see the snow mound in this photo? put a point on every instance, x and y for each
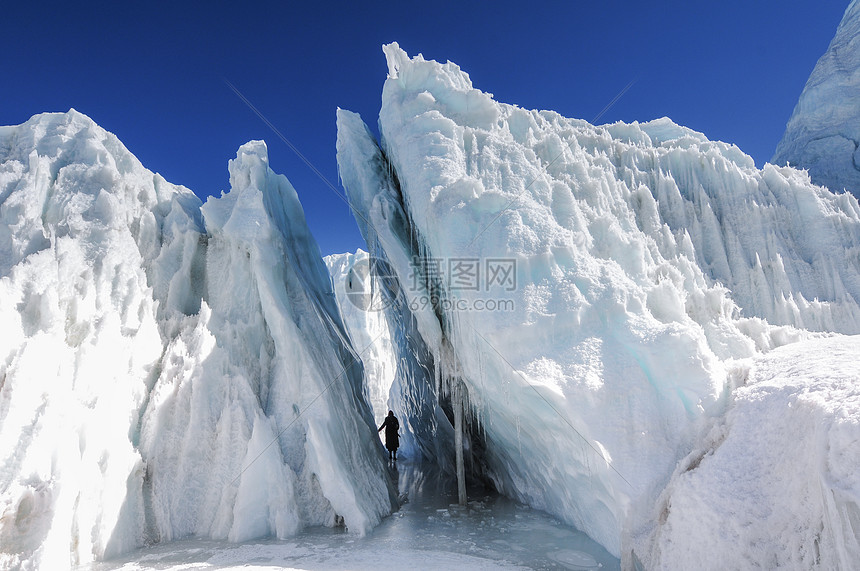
(775, 483)
(592, 287)
(823, 132)
(166, 372)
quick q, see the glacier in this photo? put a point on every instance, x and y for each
(651, 266)
(654, 340)
(823, 132)
(168, 369)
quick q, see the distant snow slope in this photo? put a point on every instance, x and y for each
(647, 260)
(823, 132)
(165, 373)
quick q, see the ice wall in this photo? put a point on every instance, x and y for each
(263, 377)
(823, 132)
(87, 235)
(166, 372)
(647, 259)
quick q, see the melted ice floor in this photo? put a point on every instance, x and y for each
(430, 531)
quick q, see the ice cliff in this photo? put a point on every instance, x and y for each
(823, 132)
(166, 370)
(632, 270)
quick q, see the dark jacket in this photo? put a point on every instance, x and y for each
(391, 426)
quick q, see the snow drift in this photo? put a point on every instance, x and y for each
(647, 263)
(774, 483)
(166, 371)
(823, 132)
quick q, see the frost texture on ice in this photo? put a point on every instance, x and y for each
(823, 132)
(166, 372)
(648, 260)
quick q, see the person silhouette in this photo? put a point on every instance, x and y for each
(392, 436)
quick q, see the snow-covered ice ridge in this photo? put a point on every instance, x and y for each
(166, 369)
(653, 266)
(823, 132)
(774, 484)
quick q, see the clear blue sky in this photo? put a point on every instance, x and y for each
(153, 73)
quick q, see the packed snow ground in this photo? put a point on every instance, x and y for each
(429, 531)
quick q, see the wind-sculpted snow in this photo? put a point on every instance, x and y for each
(647, 260)
(823, 132)
(159, 379)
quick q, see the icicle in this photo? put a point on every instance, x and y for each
(458, 442)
